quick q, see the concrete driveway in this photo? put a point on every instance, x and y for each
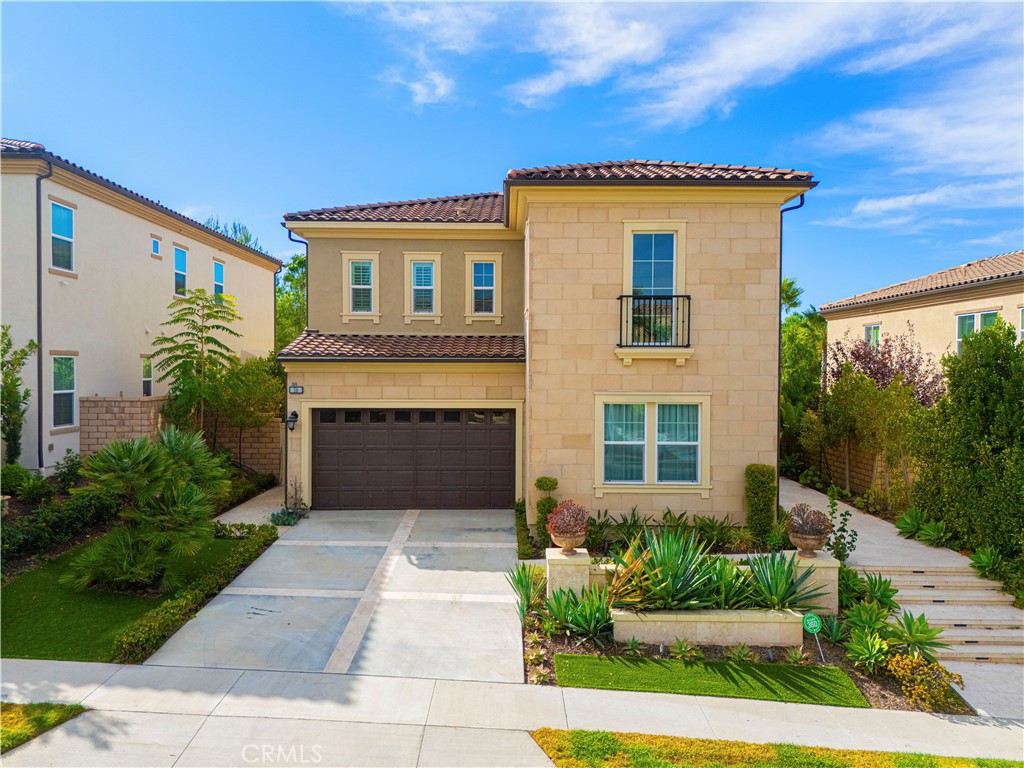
(405, 593)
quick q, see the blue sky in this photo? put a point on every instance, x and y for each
(910, 115)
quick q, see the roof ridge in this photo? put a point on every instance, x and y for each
(412, 201)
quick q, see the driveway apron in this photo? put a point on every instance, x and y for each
(406, 593)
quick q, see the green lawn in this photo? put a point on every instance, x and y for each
(737, 680)
(596, 749)
(21, 722)
(43, 619)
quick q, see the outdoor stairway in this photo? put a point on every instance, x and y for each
(979, 621)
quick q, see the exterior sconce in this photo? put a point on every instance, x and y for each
(291, 420)
(295, 388)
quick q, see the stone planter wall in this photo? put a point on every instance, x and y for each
(710, 627)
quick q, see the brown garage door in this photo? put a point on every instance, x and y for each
(413, 459)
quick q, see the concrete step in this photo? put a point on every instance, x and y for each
(957, 636)
(1002, 654)
(923, 570)
(908, 597)
(902, 582)
(971, 616)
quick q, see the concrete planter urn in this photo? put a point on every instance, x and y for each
(567, 526)
(807, 545)
(567, 543)
(809, 529)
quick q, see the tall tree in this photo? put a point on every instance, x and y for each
(13, 396)
(789, 295)
(236, 230)
(291, 301)
(195, 357)
(251, 394)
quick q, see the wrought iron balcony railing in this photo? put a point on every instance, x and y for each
(654, 321)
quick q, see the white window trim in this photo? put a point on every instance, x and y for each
(643, 445)
(657, 442)
(868, 327)
(54, 391)
(977, 322)
(184, 274)
(632, 227)
(224, 271)
(347, 257)
(434, 258)
(651, 400)
(71, 239)
(145, 378)
(486, 317)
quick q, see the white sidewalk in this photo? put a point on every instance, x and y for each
(181, 716)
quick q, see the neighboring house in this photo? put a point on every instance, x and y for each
(88, 269)
(614, 325)
(942, 307)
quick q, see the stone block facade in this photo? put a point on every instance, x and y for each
(103, 419)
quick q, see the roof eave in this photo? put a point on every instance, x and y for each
(377, 359)
(832, 308)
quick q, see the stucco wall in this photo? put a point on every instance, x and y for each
(575, 268)
(933, 317)
(112, 306)
(326, 293)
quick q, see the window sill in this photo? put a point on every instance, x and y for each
(409, 319)
(63, 272)
(647, 488)
(156, 256)
(496, 319)
(628, 354)
(63, 430)
(348, 317)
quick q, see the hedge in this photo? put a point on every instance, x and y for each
(142, 639)
(524, 544)
(56, 522)
(761, 498)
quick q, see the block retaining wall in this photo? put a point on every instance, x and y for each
(104, 419)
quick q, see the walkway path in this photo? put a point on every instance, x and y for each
(984, 630)
(178, 716)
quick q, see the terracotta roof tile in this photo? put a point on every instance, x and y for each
(981, 271)
(327, 346)
(484, 207)
(15, 147)
(656, 170)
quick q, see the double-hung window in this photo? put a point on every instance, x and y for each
(483, 287)
(871, 335)
(147, 376)
(678, 442)
(625, 442)
(62, 237)
(63, 391)
(218, 278)
(180, 271)
(969, 323)
(423, 288)
(361, 287)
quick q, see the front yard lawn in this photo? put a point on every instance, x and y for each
(43, 619)
(737, 680)
(595, 749)
(21, 722)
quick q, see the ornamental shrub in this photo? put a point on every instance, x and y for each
(35, 490)
(761, 498)
(11, 478)
(545, 506)
(926, 684)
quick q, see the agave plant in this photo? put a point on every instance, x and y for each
(852, 588)
(779, 585)
(677, 574)
(628, 528)
(986, 561)
(910, 522)
(867, 649)
(731, 586)
(913, 636)
(587, 616)
(867, 615)
(880, 590)
(933, 533)
(834, 629)
(714, 532)
(529, 583)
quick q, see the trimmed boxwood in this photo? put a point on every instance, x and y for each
(545, 506)
(760, 497)
(56, 522)
(524, 544)
(142, 639)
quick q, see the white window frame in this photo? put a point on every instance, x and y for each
(420, 257)
(1021, 326)
(473, 316)
(218, 263)
(53, 235)
(352, 287)
(55, 391)
(651, 400)
(147, 359)
(642, 443)
(155, 241)
(877, 327)
(184, 273)
(347, 259)
(976, 321)
(658, 443)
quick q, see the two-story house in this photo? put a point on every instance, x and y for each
(614, 325)
(942, 308)
(88, 269)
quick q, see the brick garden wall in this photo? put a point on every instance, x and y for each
(861, 467)
(262, 447)
(103, 419)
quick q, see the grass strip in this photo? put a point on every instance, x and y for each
(736, 680)
(595, 749)
(21, 722)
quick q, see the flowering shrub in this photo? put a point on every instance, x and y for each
(804, 520)
(568, 519)
(926, 684)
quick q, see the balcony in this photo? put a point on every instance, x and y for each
(654, 327)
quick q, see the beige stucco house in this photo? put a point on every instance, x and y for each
(614, 325)
(88, 269)
(941, 307)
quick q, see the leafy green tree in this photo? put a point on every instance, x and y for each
(195, 357)
(236, 230)
(804, 337)
(251, 394)
(789, 295)
(290, 294)
(13, 396)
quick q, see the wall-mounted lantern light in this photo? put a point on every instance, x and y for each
(291, 420)
(295, 388)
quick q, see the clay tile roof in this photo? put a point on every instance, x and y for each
(485, 207)
(327, 346)
(657, 170)
(31, 149)
(1008, 265)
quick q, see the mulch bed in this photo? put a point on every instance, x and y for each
(882, 691)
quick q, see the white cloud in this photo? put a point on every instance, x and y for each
(427, 85)
(458, 28)
(1003, 193)
(1005, 241)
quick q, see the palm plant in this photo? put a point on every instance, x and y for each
(779, 585)
(194, 463)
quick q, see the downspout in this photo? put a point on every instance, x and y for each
(39, 312)
(778, 376)
(291, 236)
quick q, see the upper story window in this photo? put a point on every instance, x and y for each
(483, 287)
(654, 264)
(871, 335)
(361, 282)
(180, 271)
(63, 391)
(1021, 326)
(62, 228)
(156, 247)
(218, 278)
(147, 376)
(971, 322)
(360, 286)
(423, 287)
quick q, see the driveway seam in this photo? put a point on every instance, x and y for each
(355, 630)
